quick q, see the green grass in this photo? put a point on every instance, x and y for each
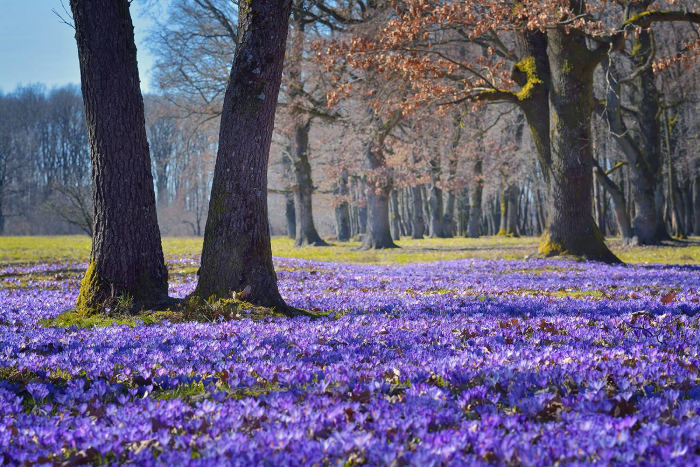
(24, 250)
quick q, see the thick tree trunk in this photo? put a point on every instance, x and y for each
(570, 226)
(303, 189)
(378, 234)
(418, 223)
(127, 257)
(237, 255)
(475, 207)
(342, 213)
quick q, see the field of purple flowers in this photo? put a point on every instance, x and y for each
(470, 362)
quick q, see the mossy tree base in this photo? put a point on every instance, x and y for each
(98, 295)
(591, 249)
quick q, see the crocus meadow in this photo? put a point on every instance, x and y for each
(469, 362)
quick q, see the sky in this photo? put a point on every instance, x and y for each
(35, 47)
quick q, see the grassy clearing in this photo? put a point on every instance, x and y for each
(24, 250)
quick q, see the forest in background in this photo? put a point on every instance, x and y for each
(448, 170)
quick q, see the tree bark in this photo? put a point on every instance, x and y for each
(289, 213)
(696, 205)
(418, 224)
(342, 213)
(237, 255)
(303, 187)
(619, 205)
(571, 229)
(435, 199)
(127, 257)
(475, 207)
(395, 216)
(378, 235)
(511, 225)
(306, 234)
(645, 158)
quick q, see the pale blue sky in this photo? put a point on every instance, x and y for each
(35, 47)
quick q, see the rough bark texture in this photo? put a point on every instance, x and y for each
(237, 256)
(126, 257)
(571, 229)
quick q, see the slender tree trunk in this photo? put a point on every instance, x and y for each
(645, 158)
(395, 216)
(303, 188)
(126, 257)
(436, 207)
(511, 227)
(426, 210)
(696, 206)
(289, 213)
(237, 255)
(571, 229)
(475, 207)
(619, 205)
(362, 209)
(418, 224)
(448, 223)
(342, 213)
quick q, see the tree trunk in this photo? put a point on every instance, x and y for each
(511, 226)
(362, 209)
(127, 257)
(342, 213)
(696, 206)
(448, 223)
(644, 158)
(237, 255)
(619, 205)
(378, 234)
(418, 224)
(475, 207)
(379, 186)
(395, 216)
(303, 189)
(436, 209)
(571, 229)
(289, 214)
